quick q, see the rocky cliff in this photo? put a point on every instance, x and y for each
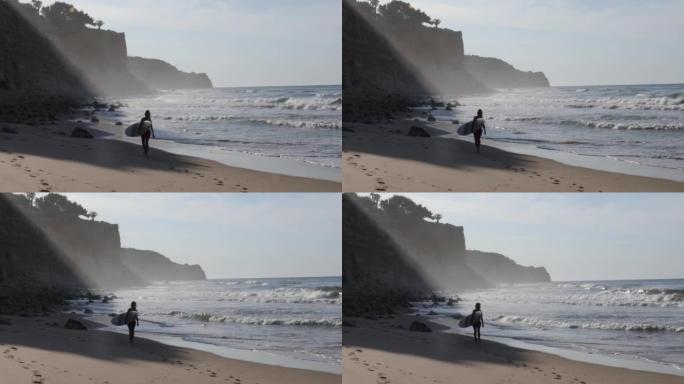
(497, 74)
(391, 60)
(153, 266)
(158, 74)
(499, 269)
(56, 50)
(395, 250)
(47, 247)
(390, 254)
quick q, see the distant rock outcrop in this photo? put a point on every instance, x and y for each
(154, 266)
(499, 269)
(496, 74)
(158, 74)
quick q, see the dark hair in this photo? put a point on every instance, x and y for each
(133, 305)
(147, 113)
(477, 306)
(479, 113)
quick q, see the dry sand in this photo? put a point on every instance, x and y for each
(377, 352)
(46, 158)
(33, 351)
(383, 158)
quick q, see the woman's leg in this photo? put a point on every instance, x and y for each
(131, 331)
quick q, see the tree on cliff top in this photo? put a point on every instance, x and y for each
(59, 207)
(65, 16)
(403, 206)
(402, 12)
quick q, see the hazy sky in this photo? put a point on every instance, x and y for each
(237, 42)
(575, 236)
(231, 235)
(575, 42)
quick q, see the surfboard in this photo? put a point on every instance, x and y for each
(133, 130)
(466, 321)
(465, 129)
(119, 319)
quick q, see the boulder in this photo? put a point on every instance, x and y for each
(431, 118)
(418, 326)
(75, 324)
(418, 132)
(81, 133)
(88, 311)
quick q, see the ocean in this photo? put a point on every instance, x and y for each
(292, 321)
(639, 125)
(634, 320)
(302, 123)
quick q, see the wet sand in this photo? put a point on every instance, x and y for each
(40, 350)
(382, 157)
(384, 351)
(46, 158)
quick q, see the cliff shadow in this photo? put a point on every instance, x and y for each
(49, 334)
(53, 142)
(394, 336)
(392, 141)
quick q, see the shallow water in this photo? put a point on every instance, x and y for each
(293, 318)
(301, 122)
(636, 124)
(633, 319)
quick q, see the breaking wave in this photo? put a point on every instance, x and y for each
(254, 320)
(533, 321)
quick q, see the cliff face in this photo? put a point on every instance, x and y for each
(28, 259)
(389, 63)
(389, 57)
(388, 259)
(30, 64)
(154, 266)
(499, 269)
(158, 74)
(101, 58)
(496, 73)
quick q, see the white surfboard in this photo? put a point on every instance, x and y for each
(466, 321)
(134, 130)
(119, 319)
(465, 129)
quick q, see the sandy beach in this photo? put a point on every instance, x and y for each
(41, 350)
(46, 158)
(385, 351)
(382, 157)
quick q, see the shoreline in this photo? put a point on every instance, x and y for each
(45, 158)
(274, 165)
(384, 349)
(382, 157)
(253, 356)
(40, 349)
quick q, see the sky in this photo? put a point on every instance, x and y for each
(230, 235)
(236, 42)
(575, 236)
(574, 42)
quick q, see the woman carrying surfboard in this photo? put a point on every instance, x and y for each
(146, 130)
(132, 320)
(478, 129)
(478, 322)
